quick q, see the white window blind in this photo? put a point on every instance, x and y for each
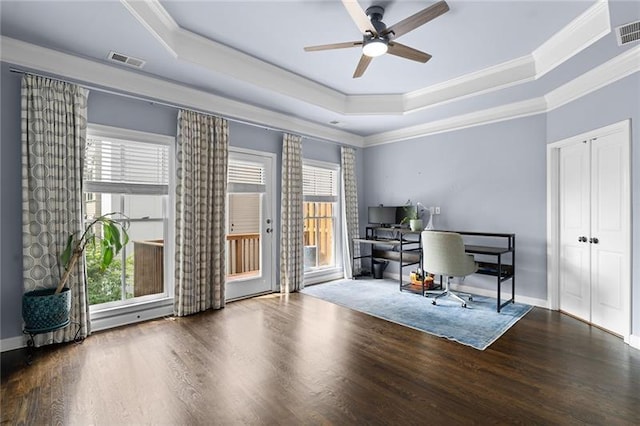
(319, 184)
(131, 167)
(244, 176)
(244, 213)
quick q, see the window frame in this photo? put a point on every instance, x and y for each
(142, 308)
(337, 271)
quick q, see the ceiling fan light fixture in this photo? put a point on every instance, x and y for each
(375, 47)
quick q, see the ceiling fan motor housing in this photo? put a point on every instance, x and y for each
(375, 14)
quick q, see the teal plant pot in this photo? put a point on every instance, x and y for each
(44, 311)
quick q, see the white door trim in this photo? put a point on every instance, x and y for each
(553, 210)
(275, 222)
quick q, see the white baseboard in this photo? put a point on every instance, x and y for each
(12, 343)
(102, 321)
(505, 295)
(634, 341)
(312, 279)
(119, 319)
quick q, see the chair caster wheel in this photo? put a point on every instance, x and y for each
(470, 299)
(464, 305)
(433, 302)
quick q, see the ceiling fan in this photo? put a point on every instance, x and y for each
(377, 39)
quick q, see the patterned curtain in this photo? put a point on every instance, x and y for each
(54, 129)
(350, 211)
(201, 194)
(291, 222)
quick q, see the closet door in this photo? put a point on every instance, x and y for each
(574, 279)
(594, 201)
(609, 233)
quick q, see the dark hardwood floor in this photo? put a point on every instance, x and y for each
(300, 360)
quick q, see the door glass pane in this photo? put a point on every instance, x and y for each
(243, 235)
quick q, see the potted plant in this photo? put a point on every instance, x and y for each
(411, 215)
(48, 309)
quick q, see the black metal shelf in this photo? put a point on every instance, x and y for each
(406, 248)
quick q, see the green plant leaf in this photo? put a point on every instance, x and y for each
(115, 237)
(106, 231)
(107, 257)
(66, 254)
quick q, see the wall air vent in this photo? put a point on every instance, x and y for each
(628, 33)
(126, 60)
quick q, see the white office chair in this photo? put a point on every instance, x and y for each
(443, 254)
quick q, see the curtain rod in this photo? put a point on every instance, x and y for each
(146, 99)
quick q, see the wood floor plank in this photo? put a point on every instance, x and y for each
(296, 359)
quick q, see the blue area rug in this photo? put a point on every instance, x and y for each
(477, 326)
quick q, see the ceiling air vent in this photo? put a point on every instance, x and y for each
(628, 33)
(126, 60)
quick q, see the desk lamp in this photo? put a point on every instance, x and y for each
(429, 226)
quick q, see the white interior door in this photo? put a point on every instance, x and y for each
(609, 234)
(250, 225)
(594, 273)
(575, 286)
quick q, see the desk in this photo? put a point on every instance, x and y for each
(502, 271)
(409, 252)
(399, 245)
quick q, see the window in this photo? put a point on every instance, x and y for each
(321, 217)
(128, 173)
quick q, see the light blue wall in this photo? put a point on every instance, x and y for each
(493, 177)
(133, 114)
(488, 178)
(111, 110)
(611, 104)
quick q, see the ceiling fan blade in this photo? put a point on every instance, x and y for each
(407, 52)
(362, 66)
(420, 18)
(359, 17)
(333, 46)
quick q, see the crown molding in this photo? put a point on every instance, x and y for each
(188, 46)
(374, 105)
(124, 81)
(579, 34)
(609, 72)
(506, 74)
(217, 57)
(157, 21)
(463, 121)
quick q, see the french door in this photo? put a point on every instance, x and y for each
(594, 201)
(250, 224)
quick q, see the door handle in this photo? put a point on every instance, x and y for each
(582, 239)
(594, 240)
(269, 230)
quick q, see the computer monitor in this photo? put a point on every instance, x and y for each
(382, 215)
